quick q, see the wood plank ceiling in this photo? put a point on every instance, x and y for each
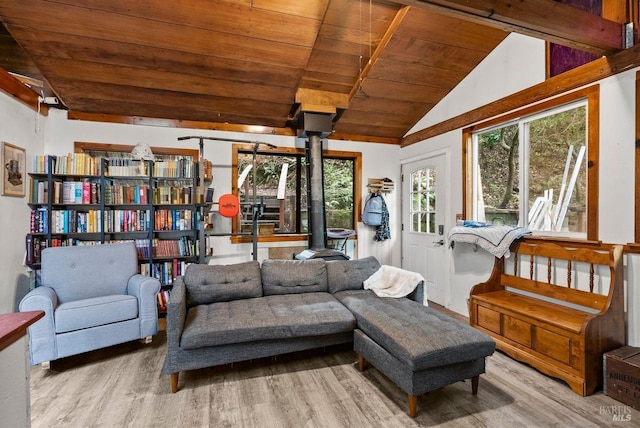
(242, 62)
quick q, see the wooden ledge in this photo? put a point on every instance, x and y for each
(14, 326)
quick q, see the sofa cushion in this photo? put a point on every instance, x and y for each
(415, 334)
(350, 274)
(87, 313)
(294, 276)
(221, 283)
(265, 318)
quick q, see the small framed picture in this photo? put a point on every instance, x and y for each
(14, 171)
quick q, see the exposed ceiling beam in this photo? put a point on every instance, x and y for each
(397, 20)
(17, 89)
(313, 100)
(543, 19)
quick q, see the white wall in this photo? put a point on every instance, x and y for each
(18, 128)
(519, 62)
(378, 160)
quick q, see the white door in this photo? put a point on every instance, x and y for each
(424, 231)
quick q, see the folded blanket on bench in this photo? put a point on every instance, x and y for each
(390, 281)
(495, 239)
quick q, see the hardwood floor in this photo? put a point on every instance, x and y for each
(122, 387)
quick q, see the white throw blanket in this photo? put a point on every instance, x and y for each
(390, 281)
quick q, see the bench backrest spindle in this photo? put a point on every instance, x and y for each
(605, 257)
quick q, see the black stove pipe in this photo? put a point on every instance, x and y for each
(316, 193)
(314, 126)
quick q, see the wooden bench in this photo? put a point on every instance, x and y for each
(556, 307)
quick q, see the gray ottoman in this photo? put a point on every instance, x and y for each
(420, 349)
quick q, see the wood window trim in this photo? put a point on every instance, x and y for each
(357, 193)
(587, 74)
(592, 94)
(637, 162)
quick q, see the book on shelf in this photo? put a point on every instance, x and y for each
(39, 191)
(163, 299)
(34, 246)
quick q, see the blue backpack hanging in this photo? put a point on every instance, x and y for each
(372, 211)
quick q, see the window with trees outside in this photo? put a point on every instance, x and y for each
(281, 186)
(531, 170)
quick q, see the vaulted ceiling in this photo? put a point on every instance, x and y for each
(377, 66)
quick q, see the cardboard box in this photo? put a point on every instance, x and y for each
(266, 229)
(622, 375)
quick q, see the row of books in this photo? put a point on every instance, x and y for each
(111, 221)
(166, 248)
(126, 167)
(72, 221)
(180, 168)
(40, 164)
(65, 192)
(35, 244)
(38, 221)
(126, 194)
(166, 271)
(76, 164)
(88, 192)
(71, 164)
(174, 220)
(123, 167)
(85, 164)
(76, 192)
(127, 221)
(173, 195)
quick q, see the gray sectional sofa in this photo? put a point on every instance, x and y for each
(219, 314)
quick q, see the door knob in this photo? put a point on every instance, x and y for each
(439, 243)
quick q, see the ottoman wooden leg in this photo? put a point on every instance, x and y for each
(361, 363)
(413, 404)
(474, 384)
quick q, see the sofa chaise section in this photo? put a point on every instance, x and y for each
(420, 349)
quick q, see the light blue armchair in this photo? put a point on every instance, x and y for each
(93, 297)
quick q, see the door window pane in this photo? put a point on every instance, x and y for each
(423, 200)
